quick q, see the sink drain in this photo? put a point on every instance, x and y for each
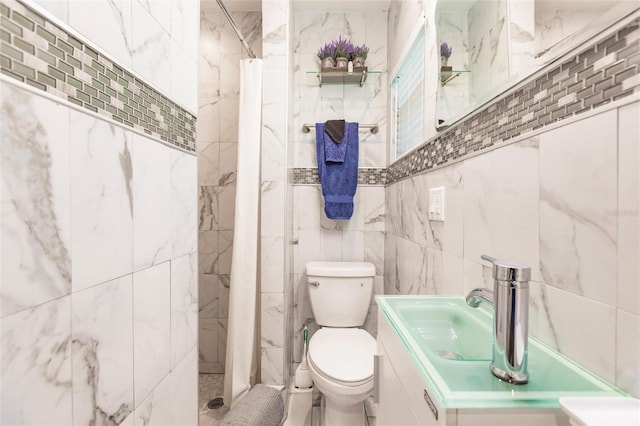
(450, 355)
(215, 403)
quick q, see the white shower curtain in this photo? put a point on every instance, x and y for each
(241, 357)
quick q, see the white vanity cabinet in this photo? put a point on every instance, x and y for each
(403, 396)
(405, 399)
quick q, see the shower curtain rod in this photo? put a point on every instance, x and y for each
(236, 29)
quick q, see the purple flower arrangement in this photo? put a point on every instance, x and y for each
(445, 49)
(342, 48)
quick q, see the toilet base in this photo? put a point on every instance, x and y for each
(332, 414)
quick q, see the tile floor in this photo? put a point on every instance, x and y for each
(301, 413)
(210, 386)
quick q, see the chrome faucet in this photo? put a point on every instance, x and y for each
(510, 298)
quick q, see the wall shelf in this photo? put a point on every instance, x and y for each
(447, 75)
(358, 76)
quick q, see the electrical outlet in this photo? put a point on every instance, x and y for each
(436, 204)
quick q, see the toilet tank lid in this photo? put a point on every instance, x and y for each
(341, 269)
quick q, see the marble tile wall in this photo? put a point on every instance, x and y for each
(362, 237)
(488, 46)
(217, 140)
(533, 202)
(275, 347)
(98, 294)
(49, 56)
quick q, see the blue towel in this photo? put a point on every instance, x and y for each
(335, 151)
(339, 180)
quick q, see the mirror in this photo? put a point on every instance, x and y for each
(493, 44)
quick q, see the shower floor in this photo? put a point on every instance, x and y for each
(210, 386)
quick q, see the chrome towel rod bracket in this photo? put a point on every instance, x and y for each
(306, 128)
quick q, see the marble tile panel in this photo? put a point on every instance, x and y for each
(447, 236)
(208, 122)
(151, 328)
(627, 353)
(185, 15)
(208, 210)
(411, 267)
(563, 329)
(208, 69)
(151, 193)
(308, 25)
(228, 164)
(331, 246)
(35, 207)
(353, 246)
(223, 296)
(35, 354)
(628, 209)
(208, 252)
(578, 237)
(274, 31)
(452, 275)
(225, 248)
(434, 278)
(414, 210)
(184, 391)
(208, 340)
(226, 207)
(476, 275)
(160, 10)
(272, 264)
(393, 209)
(230, 71)
(208, 163)
(156, 408)
(391, 264)
(500, 199)
(374, 249)
(272, 366)
(229, 108)
(309, 204)
(59, 9)
(272, 217)
(184, 306)
(150, 48)
(222, 340)
(273, 148)
(183, 203)
(374, 208)
(308, 249)
(184, 75)
(272, 319)
(101, 200)
(102, 349)
(208, 296)
(114, 32)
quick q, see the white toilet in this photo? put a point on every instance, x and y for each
(341, 354)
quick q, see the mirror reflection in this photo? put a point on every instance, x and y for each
(486, 45)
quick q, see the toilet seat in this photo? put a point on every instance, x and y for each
(343, 355)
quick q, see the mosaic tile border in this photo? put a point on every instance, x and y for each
(39, 53)
(599, 74)
(366, 176)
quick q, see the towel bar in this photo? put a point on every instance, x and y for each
(306, 128)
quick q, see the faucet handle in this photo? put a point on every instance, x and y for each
(508, 271)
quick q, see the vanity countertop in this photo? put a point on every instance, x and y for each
(450, 343)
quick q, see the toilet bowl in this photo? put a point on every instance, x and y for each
(341, 354)
(341, 366)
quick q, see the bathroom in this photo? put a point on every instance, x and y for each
(116, 270)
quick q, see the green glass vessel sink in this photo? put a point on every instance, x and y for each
(450, 343)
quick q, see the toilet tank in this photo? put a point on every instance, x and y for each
(340, 292)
